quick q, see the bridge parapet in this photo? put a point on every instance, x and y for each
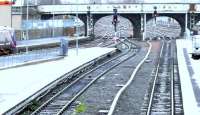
(122, 8)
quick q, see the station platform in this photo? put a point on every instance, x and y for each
(190, 77)
(18, 84)
(49, 49)
(46, 41)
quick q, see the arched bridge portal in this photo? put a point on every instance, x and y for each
(136, 13)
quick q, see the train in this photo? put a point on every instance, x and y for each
(7, 40)
(196, 47)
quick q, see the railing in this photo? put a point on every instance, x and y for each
(122, 8)
(31, 56)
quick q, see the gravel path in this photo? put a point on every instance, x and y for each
(131, 101)
(100, 95)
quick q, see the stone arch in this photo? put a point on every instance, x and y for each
(128, 25)
(180, 18)
(136, 22)
(135, 19)
(171, 30)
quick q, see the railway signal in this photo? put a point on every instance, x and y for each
(192, 10)
(115, 19)
(155, 13)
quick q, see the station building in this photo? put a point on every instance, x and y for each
(14, 14)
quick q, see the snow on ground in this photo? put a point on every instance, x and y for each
(190, 77)
(31, 56)
(19, 83)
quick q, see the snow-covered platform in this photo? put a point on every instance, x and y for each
(17, 84)
(189, 70)
(46, 41)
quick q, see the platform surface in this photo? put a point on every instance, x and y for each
(20, 58)
(16, 84)
(189, 70)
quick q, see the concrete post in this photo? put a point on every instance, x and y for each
(27, 18)
(144, 32)
(142, 26)
(88, 22)
(53, 27)
(87, 26)
(91, 26)
(186, 21)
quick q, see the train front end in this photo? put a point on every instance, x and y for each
(7, 41)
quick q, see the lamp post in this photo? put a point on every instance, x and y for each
(186, 21)
(77, 29)
(21, 12)
(53, 31)
(27, 18)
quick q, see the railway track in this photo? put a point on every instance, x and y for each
(97, 42)
(119, 93)
(27, 107)
(165, 96)
(63, 99)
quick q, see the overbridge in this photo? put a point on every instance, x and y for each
(122, 8)
(186, 14)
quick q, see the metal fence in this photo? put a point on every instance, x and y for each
(27, 57)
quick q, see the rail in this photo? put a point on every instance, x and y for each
(154, 82)
(114, 103)
(172, 84)
(76, 95)
(164, 67)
